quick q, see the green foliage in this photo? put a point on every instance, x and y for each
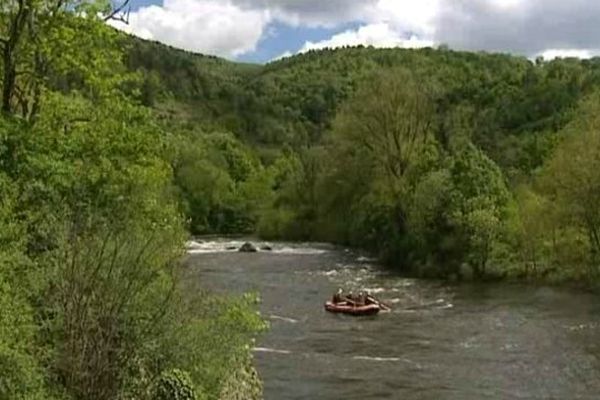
(90, 226)
(292, 211)
(535, 224)
(212, 342)
(103, 233)
(409, 153)
(479, 205)
(385, 181)
(294, 101)
(570, 182)
(223, 185)
(47, 46)
(21, 375)
(175, 385)
(245, 384)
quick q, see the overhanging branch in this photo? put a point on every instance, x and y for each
(119, 14)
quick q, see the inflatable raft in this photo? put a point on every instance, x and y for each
(347, 308)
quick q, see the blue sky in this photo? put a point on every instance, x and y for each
(282, 38)
(279, 38)
(263, 30)
(137, 4)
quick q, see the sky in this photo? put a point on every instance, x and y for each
(265, 30)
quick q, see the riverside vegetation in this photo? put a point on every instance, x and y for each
(91, 234)
(443, 163)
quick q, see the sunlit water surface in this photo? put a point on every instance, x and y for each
(440, 341)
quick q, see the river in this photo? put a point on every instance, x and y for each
(441, 341)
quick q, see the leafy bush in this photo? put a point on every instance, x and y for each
(175, 385)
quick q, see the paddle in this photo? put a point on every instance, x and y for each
(351, 302)
(383, 306)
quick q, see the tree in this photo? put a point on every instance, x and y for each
(102, 227)
(572, 181)
(382, 142)
(175, 385)
(223, 187)
(90, 232)
(14, 19)
(535, 230)
(479, 206)
(44, 40)
(392, 118)
(21, 372)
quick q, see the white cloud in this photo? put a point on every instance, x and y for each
(526, 27)
(506, 4)
(206, 26)
(388, 23)
(519, 26)
(285, 54)
(417, 17)
(377, 35)
(313, 13)
(231, 28)
(551, 54)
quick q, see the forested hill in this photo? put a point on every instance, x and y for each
(441, 162)
(293, 101)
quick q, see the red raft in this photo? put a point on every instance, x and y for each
(347, 308)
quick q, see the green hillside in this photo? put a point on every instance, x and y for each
(439, 161)
(293, 101)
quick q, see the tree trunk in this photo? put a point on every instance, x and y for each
(9, 49)
(8, 79)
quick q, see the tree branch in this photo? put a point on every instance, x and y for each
(114, 14)
(122, 18)
(17, 26)
(22, 72)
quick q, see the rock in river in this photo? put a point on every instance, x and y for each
(248, 248)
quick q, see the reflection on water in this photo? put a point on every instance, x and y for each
(439, 342)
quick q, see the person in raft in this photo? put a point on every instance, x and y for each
(362, 298)
(359, 299)
(338, 297)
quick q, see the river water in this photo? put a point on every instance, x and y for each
(441, 341)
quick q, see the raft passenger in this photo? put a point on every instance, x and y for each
(337, 297)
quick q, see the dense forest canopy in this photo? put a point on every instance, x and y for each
(437, 160)
(294, 100)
